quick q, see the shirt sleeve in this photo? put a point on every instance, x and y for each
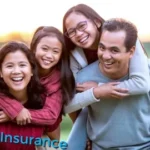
(81, 100)
(11, 107)
(74, 65)
(50, 112)
(139, 79)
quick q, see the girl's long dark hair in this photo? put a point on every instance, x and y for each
(34, 88)
(67, 79)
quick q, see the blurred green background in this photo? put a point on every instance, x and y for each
(65, 127)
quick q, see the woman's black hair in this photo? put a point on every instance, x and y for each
(34, 88)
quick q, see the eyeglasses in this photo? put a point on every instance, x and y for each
(81, 26)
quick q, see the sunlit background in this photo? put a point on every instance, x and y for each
(20, 18)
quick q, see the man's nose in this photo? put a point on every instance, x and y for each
(106, 55)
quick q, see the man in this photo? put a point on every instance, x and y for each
(116, 124)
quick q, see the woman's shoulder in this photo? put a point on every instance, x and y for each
(79, 57)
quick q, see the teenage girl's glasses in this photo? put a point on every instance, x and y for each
(81, 26)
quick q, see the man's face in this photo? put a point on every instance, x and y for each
(113, 55)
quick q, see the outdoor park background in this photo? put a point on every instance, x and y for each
(20, 18)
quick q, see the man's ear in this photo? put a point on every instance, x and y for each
(98, 23)
(132, 50)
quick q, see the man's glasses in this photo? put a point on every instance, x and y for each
(81, 26)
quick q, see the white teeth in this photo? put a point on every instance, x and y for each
(108, 63)
(17, 79)
(46, 61)
(83, 39)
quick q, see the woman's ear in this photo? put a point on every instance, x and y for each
(97, 23)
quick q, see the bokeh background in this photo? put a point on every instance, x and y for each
(20, 18)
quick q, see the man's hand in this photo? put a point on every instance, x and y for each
(23, 117)
(85, 86)
(3, 117)
(110, 90)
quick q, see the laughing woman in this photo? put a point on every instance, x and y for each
(19, 80)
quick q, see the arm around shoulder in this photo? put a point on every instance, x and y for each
(139, 78)
(10, 106)
(81, 100)
(50, 112)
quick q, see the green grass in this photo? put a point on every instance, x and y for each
(65, 127)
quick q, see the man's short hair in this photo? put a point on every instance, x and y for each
(119, 24)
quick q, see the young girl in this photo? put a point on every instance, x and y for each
(81, 27)
(19, 80)
(53, 67)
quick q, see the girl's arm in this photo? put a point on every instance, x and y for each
(139, 78)
(50, 112)
(81, 100)
(10, 106)
(48, 115)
